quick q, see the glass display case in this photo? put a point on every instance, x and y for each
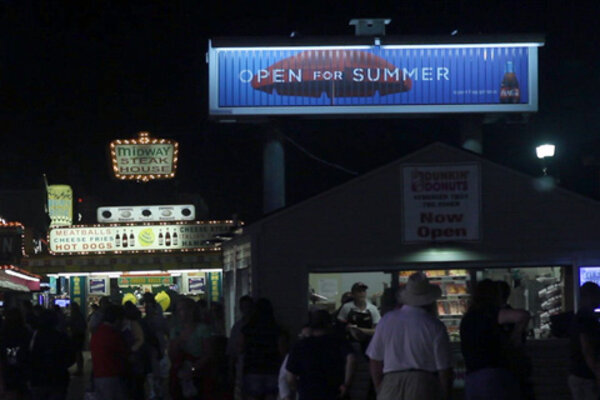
(538, 290)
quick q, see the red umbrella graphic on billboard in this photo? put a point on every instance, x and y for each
(337, 73)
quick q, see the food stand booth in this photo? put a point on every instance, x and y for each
(16, 283)
(87, 262)
(446, 211)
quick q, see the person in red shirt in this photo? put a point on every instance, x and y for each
(109, 356)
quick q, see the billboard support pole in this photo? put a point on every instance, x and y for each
(471, 136)
(273, 171)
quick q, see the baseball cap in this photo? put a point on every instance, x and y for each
(359, 286)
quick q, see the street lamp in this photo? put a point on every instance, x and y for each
(545, 151)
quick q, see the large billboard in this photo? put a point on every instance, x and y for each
(386, 79)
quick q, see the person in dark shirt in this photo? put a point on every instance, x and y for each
(321, 365)
(483, 344)
(584, 378)
(260, 346)
(246, 307)
(77, 326)
(517, 359)
(14, 354)
(51, 355)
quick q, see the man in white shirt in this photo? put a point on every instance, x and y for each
(410, 355)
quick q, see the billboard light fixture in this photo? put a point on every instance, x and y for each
(22, 276)
(387, 46)
(462, 45)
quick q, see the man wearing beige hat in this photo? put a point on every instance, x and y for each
(410, 356)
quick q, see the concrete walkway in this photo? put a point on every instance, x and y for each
(78, 383)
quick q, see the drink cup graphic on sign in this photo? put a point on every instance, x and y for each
(509, 88)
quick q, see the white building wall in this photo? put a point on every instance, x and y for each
(357, 227)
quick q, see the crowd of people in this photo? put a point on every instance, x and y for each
(37, 347)
(406, 350)
(134, 355)
(403, 348)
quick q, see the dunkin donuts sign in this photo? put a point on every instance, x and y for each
(441, 203)
(373, 79)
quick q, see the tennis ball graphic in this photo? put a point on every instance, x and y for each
(146, 237)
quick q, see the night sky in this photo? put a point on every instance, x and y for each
(74, 77)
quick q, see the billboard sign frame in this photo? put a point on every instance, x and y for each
(248, 99)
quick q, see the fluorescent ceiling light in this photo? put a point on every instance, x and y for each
(105, 273)
(183, 271)
(20, 275)
(156, 271)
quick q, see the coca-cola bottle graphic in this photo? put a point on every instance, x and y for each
(509, 88)
(160, 237)
(118, 240)
(124, 239)
(174, 238)
(167, 238)
(131, 239)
